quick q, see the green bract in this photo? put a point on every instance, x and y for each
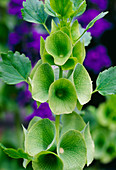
(41, 82)
(47, 160)
(62, 8)
(46, 58)
(83, 84)
(59, 46)
(62, 96)
(14, 68)
(33, 11)
(89, 144)
(75, 33)
(72, 150)
(72, 121)
(79, 52)
(40, 137)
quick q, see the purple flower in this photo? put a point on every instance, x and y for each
(14, 7)
(26, 39)
(43, 111)
(99, 27)
(35, 42)
(97, 58)
(24, 97)
(101, 4)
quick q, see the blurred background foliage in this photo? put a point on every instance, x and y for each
(16, 104)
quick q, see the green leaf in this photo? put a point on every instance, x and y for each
(72, 121)
(79, 52)
(14, 67)
(35, 68)
(83, 84)
(70, 64)
(16, 154)
(106, 82)
(72, 150)
(86, 38)
(62, 8)
(40, 137)
(59, 46)
(33, 11)
(79, 7)
(47, 160)
(48, 9)
(89, 144)
(62, 96)
(41, 82)
(75, 33)
(101, 15)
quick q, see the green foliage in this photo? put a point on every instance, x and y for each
(48, 9)
(46, 58)
(83, 84)
(106, 82)
(86, 39)
(62, 96)
(67, 86)
(35, 68)
(89, 144)
(62, 8)
(79, 52)
(75, 33)
(72, 150)
(14, 68)
(79, 7)
(70, 64)
(33, 11)
(101, 15)
(13, 153)
(59, 46)
(72, 121)
(47, 160)
(41, 82)
(40, 137)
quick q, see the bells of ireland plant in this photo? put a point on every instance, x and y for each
(61, 80)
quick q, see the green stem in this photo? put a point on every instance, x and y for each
(80, 37)
(60, 73)
(46, 28)
(57, 121)
(95, 91)
(18, 127)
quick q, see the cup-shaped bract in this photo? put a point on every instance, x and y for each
(59, 46)
(40, 137)
(72, 150)
(47, 160)
(83, 84)
(62, 97)
(79, 52)
(41, 82)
